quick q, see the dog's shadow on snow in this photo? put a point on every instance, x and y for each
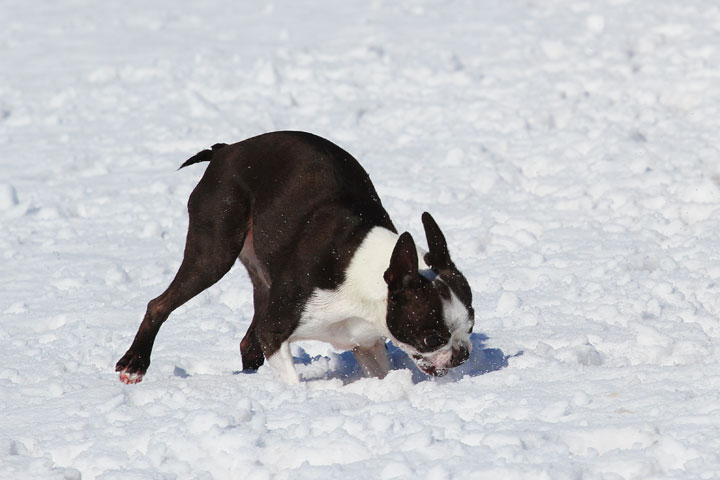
(343, 366)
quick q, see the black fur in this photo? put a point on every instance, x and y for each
(414, 312)
(283, 204)
(204, 156)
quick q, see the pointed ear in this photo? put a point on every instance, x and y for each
(438, 257)
(403, 264)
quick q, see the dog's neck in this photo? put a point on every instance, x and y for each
(362, 296)
(365, 272)
(372, 259)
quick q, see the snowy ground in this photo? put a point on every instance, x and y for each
(568, 149)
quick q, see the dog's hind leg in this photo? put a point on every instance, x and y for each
(250, 349)
(215, 236)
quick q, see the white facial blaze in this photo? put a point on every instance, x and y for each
(458, 322)
(457, 318)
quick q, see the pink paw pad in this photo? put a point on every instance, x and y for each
(130, 378)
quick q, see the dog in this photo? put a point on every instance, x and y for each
(325, 261)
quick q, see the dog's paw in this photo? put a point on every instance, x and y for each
(131, 368)
(130, 378)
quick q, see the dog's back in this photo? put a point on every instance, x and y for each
(304, 196)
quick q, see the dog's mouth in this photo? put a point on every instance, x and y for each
(435, 371)
(428, 367)
(441, 361)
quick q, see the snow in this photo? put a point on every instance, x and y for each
(568, 149)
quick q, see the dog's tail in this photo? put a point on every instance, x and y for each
(204, 156)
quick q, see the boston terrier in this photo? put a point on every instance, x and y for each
(326, 262)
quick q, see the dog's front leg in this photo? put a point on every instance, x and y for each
(282, 364)
(273, 329)
(374, 360)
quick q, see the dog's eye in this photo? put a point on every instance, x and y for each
(433, 341)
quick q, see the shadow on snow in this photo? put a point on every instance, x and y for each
(343, 365)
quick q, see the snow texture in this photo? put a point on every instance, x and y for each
(568, 149)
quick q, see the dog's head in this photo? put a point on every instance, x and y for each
(430, 314)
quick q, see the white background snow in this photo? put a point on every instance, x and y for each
(569, 149)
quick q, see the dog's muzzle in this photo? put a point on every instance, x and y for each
(438, 363)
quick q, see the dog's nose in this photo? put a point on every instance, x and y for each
(460, 355)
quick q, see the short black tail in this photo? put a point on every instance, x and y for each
(204, 156)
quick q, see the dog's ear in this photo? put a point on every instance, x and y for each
(438, 257)
(403, 264)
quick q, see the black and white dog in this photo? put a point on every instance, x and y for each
(326, 262)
